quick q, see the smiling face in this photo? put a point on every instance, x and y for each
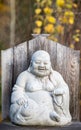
(40, 64)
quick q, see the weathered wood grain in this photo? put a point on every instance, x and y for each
(36, 44)
(7, 74)
(73, 81)
(20, 59)
(61, 60)
(53, 52)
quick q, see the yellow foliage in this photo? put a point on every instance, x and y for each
(43, 2)
(64, 20)
(60, 29)
(38, 17)
(71, 20)
(38, 1)
(51, 19)
(37, 30)
(77, 30)
(48, 10)
(74, 5)
(68, 17)
(49, 2)
(69, 6)
(38, 11)
(49, 28)
(53, 38)
(60, 3)
(4, 8)
(77, 39)
(56, 23)
(69, 14)
(38, 23)
(72, 46)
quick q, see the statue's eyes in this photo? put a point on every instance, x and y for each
(37, 62)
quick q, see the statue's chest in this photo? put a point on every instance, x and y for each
(37, 84)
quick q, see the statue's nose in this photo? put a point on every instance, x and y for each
(42, 64)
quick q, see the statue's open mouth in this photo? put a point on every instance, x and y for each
(41, 69)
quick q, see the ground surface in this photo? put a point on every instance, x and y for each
(10, 126)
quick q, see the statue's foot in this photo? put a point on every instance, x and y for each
(54, 116)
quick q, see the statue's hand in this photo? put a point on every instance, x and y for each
(21, 101)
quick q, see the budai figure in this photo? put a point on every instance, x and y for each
(40, 95)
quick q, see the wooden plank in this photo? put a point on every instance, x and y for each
(42, 43)
(52, 50)
(68, 65)
(7, 74)
(34, 45)
(73, 81)
(20, 59)
(61, 60)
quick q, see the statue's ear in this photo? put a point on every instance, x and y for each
(30, 63)
(29, 68)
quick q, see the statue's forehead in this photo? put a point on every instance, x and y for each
(41, 54)
(42, 59)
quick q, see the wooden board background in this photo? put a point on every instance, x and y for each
(64, 60)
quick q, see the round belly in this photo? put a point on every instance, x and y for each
(42, 98)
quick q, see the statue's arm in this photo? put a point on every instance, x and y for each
(18, 91)
(61, 87)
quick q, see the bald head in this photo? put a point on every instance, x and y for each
(41, 54)
(40, 63)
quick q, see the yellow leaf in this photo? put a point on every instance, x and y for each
(43, 2)
(75, 5)
(37, 30)
(60, 3)
(64, 20)
(77, 39)
(38, 11)
(72, 46)
(49, 28)
(69, 13)
(71, 20)
(38, 23)
(77, 30)
(69, 6)
(49, 2)
(48, 10)
(51, 19)
(60, 29)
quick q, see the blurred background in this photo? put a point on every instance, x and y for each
(60, 18)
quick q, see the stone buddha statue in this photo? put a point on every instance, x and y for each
(40, 95)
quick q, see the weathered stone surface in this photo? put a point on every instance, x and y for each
(40, 95)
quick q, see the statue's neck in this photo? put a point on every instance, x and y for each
(42, 78)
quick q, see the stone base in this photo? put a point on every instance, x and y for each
(10, 126)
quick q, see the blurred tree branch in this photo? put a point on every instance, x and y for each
(12, 25)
